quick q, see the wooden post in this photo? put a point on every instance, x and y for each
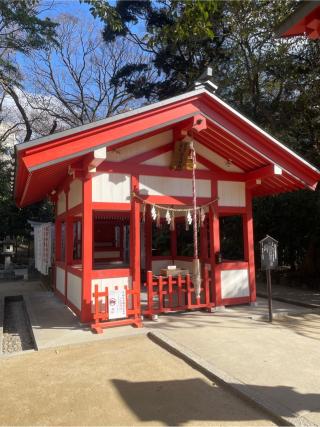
(215, 246)
(135, 241)
(87, 226)
(249, 245)
(269, 293)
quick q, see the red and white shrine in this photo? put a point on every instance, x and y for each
(116, 181)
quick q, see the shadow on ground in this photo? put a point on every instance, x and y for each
(177, 402)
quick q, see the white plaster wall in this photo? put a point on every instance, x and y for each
(215, 158)
(60, 279)
(157, 265)
(161, 160)
(106, 254)
(165, 161)
(234, 283)
(61, 204)
(164, 186)
(75, 193)
(111, 187)
(140, 147)
(74, 290)
(231, 193)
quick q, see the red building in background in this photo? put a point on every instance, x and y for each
(304, 21)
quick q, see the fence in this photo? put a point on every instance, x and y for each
(167, 294)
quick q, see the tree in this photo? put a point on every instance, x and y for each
(72, 83)
(179, 41)
(21, 32)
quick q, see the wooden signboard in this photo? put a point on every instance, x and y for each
(117, 304)
(181, 159)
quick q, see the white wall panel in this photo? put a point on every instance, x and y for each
(60, 279)
(161, 160)
(61, 204)
(140, 147)
(165, 161)
(111, 187)
(215, 158)
(75, 193)
(231, 193)
(234, 283)
(164, 186)
(74, 290)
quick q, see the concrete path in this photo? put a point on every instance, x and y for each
(54, 324)
(123, 381)
(279, 362)
(302, 297)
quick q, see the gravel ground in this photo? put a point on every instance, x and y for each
(127, 381)
(16, 333)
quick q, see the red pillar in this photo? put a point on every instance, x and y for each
(87, 225)
(215, 245)
(57, 231)
(249, 245)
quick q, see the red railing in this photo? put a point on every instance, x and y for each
(167, 294)
(101, 313)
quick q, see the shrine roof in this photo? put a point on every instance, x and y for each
(305, 20)
(43, 164)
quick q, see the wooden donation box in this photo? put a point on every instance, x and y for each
(171, 270)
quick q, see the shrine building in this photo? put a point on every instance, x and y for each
(124, 202)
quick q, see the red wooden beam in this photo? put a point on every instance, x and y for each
(214, 228)
(87, 246)
(263, 172)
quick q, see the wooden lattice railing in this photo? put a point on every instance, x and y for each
(167, 294)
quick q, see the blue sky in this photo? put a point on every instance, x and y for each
(52, 8)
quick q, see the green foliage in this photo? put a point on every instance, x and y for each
(179, 36)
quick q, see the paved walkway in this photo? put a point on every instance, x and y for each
(303, 297)
(278, 362)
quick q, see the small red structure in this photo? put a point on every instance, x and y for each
(114, 181)
(304, 21)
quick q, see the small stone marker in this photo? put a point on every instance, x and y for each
(269, 261)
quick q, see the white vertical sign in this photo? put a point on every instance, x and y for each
(117, 303)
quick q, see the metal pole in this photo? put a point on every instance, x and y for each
(269, 293)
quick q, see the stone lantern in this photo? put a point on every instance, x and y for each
(7, 251)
